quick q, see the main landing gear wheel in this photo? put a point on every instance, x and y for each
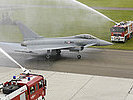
(79, 56)
(58, 52)
(43, 98)
(48, 56)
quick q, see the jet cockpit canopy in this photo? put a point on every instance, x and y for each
(85, 36)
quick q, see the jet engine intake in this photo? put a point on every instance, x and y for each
(23, 44)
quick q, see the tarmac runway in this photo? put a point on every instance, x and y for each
(103, 62)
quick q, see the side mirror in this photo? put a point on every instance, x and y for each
(45, 82)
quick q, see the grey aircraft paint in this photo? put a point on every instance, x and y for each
(34, 43)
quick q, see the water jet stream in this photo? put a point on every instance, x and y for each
(8, 56)
(94, 10)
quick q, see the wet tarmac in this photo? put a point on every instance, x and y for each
(105, 62)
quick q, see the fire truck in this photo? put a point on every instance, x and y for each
(121, 32)
(24, 87)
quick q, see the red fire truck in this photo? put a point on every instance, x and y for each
(24, 87)
(122, 31)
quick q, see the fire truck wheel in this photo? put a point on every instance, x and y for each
(125, 40)
(130, 36)
(43, 98)
(113, 41)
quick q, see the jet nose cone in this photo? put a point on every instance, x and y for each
(104, 43)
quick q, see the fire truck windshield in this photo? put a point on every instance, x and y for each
(117, 29)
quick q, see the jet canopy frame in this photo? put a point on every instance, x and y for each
(85, 36)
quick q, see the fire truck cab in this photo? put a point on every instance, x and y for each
(24, 87)
(122, 31)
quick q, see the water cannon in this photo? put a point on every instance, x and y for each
(118, 24)
(121, 23)
(25, 71)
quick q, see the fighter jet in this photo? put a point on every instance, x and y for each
(34, 43)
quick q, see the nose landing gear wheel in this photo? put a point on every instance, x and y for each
(79, 56)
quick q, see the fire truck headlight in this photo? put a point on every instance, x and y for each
(45, 82)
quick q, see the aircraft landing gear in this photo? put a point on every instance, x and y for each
(58, 52)
(79, 56)
(52, 53)
(48, 56)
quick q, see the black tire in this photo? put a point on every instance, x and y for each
(79, 56)
(47, 56)
(113, 41)
(131, 35)
(43, 98)
(125, 39)
(58, 52)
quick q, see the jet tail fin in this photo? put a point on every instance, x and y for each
(28, 34)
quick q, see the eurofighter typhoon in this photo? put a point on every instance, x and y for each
(34, 43)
